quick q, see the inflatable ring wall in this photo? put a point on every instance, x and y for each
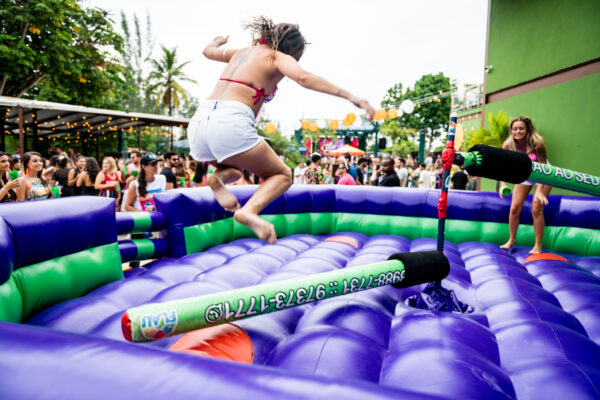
(534, 332)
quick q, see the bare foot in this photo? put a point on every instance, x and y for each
(535, 250)
(224, 197)
(507, 245)
(263, 229)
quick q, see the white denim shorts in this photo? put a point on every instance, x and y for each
(221, 129)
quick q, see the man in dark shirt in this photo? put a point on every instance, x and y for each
(386, 176)
(171, 161)
(459, 180)
(362, 163)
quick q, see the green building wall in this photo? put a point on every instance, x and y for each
(535, 38)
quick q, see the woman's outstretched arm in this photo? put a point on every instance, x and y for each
(288, 66)
(213, 52)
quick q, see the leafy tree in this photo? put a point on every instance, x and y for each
(165, 77)
(57, 50)
(398, 134)
(433, 114)
(137, 51)
(281, 145)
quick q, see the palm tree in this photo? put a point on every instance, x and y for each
(491, 137)
(165, 77)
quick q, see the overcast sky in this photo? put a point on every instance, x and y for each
(364, 47)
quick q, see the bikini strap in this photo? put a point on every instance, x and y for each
(260, 92)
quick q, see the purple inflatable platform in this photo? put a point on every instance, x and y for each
(534, 332)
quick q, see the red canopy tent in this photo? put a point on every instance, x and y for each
(346, 149)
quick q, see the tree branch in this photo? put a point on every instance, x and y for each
(36, 78)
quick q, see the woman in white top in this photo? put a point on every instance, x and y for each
(140, 195)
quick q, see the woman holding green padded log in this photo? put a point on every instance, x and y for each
(524, 138)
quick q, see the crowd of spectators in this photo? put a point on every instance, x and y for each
(387, 171)
(133, 179)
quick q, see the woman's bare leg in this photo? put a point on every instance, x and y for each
(223, 175)
(519, 195)
(539, 223)
(277, 178)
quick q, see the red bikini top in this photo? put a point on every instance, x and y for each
(260, 92)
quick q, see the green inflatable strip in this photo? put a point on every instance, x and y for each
(141, 222)
(573, 240)
(145, 249)
(50, 282)
(11, 303)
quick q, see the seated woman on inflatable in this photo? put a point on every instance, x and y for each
(223, 131)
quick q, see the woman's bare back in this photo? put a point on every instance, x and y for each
(253, 66)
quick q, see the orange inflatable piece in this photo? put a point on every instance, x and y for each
(544, 256)
(225, 342)
(343, 239)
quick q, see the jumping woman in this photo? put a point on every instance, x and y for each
(223, 131)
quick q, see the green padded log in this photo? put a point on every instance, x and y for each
(50, 282)
(145, 249)
(580, 241)
(141, 222)
(11, 302)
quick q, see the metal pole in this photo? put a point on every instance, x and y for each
(120, 140)
(139, 139)
(376, 140)
(447, 159)
(2, 137)
(21, 132)
(422, 133)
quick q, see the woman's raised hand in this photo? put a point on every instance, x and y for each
(220, 40)
(360, 103)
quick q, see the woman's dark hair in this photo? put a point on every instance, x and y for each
(142, 182)
(283, 37)
(62, 162)
(26, 158)
(201, 170)
(53, 160)
(92, 168)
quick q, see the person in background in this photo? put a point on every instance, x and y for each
(314, 173)
(34, 186)
(182, 172)
(74, 174)
(60, 177)
(86, 180)
(50, 167)
(459, 179)
(525, 138)
(344, 175)
(299, 173)
(7, 186)
(16, 164)
(140, 195)
(402, 172)
(171, 162)
(386, 176)
(108, 180)
(376, 170)
(351, 167)
(426, 177)
(361, 170)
